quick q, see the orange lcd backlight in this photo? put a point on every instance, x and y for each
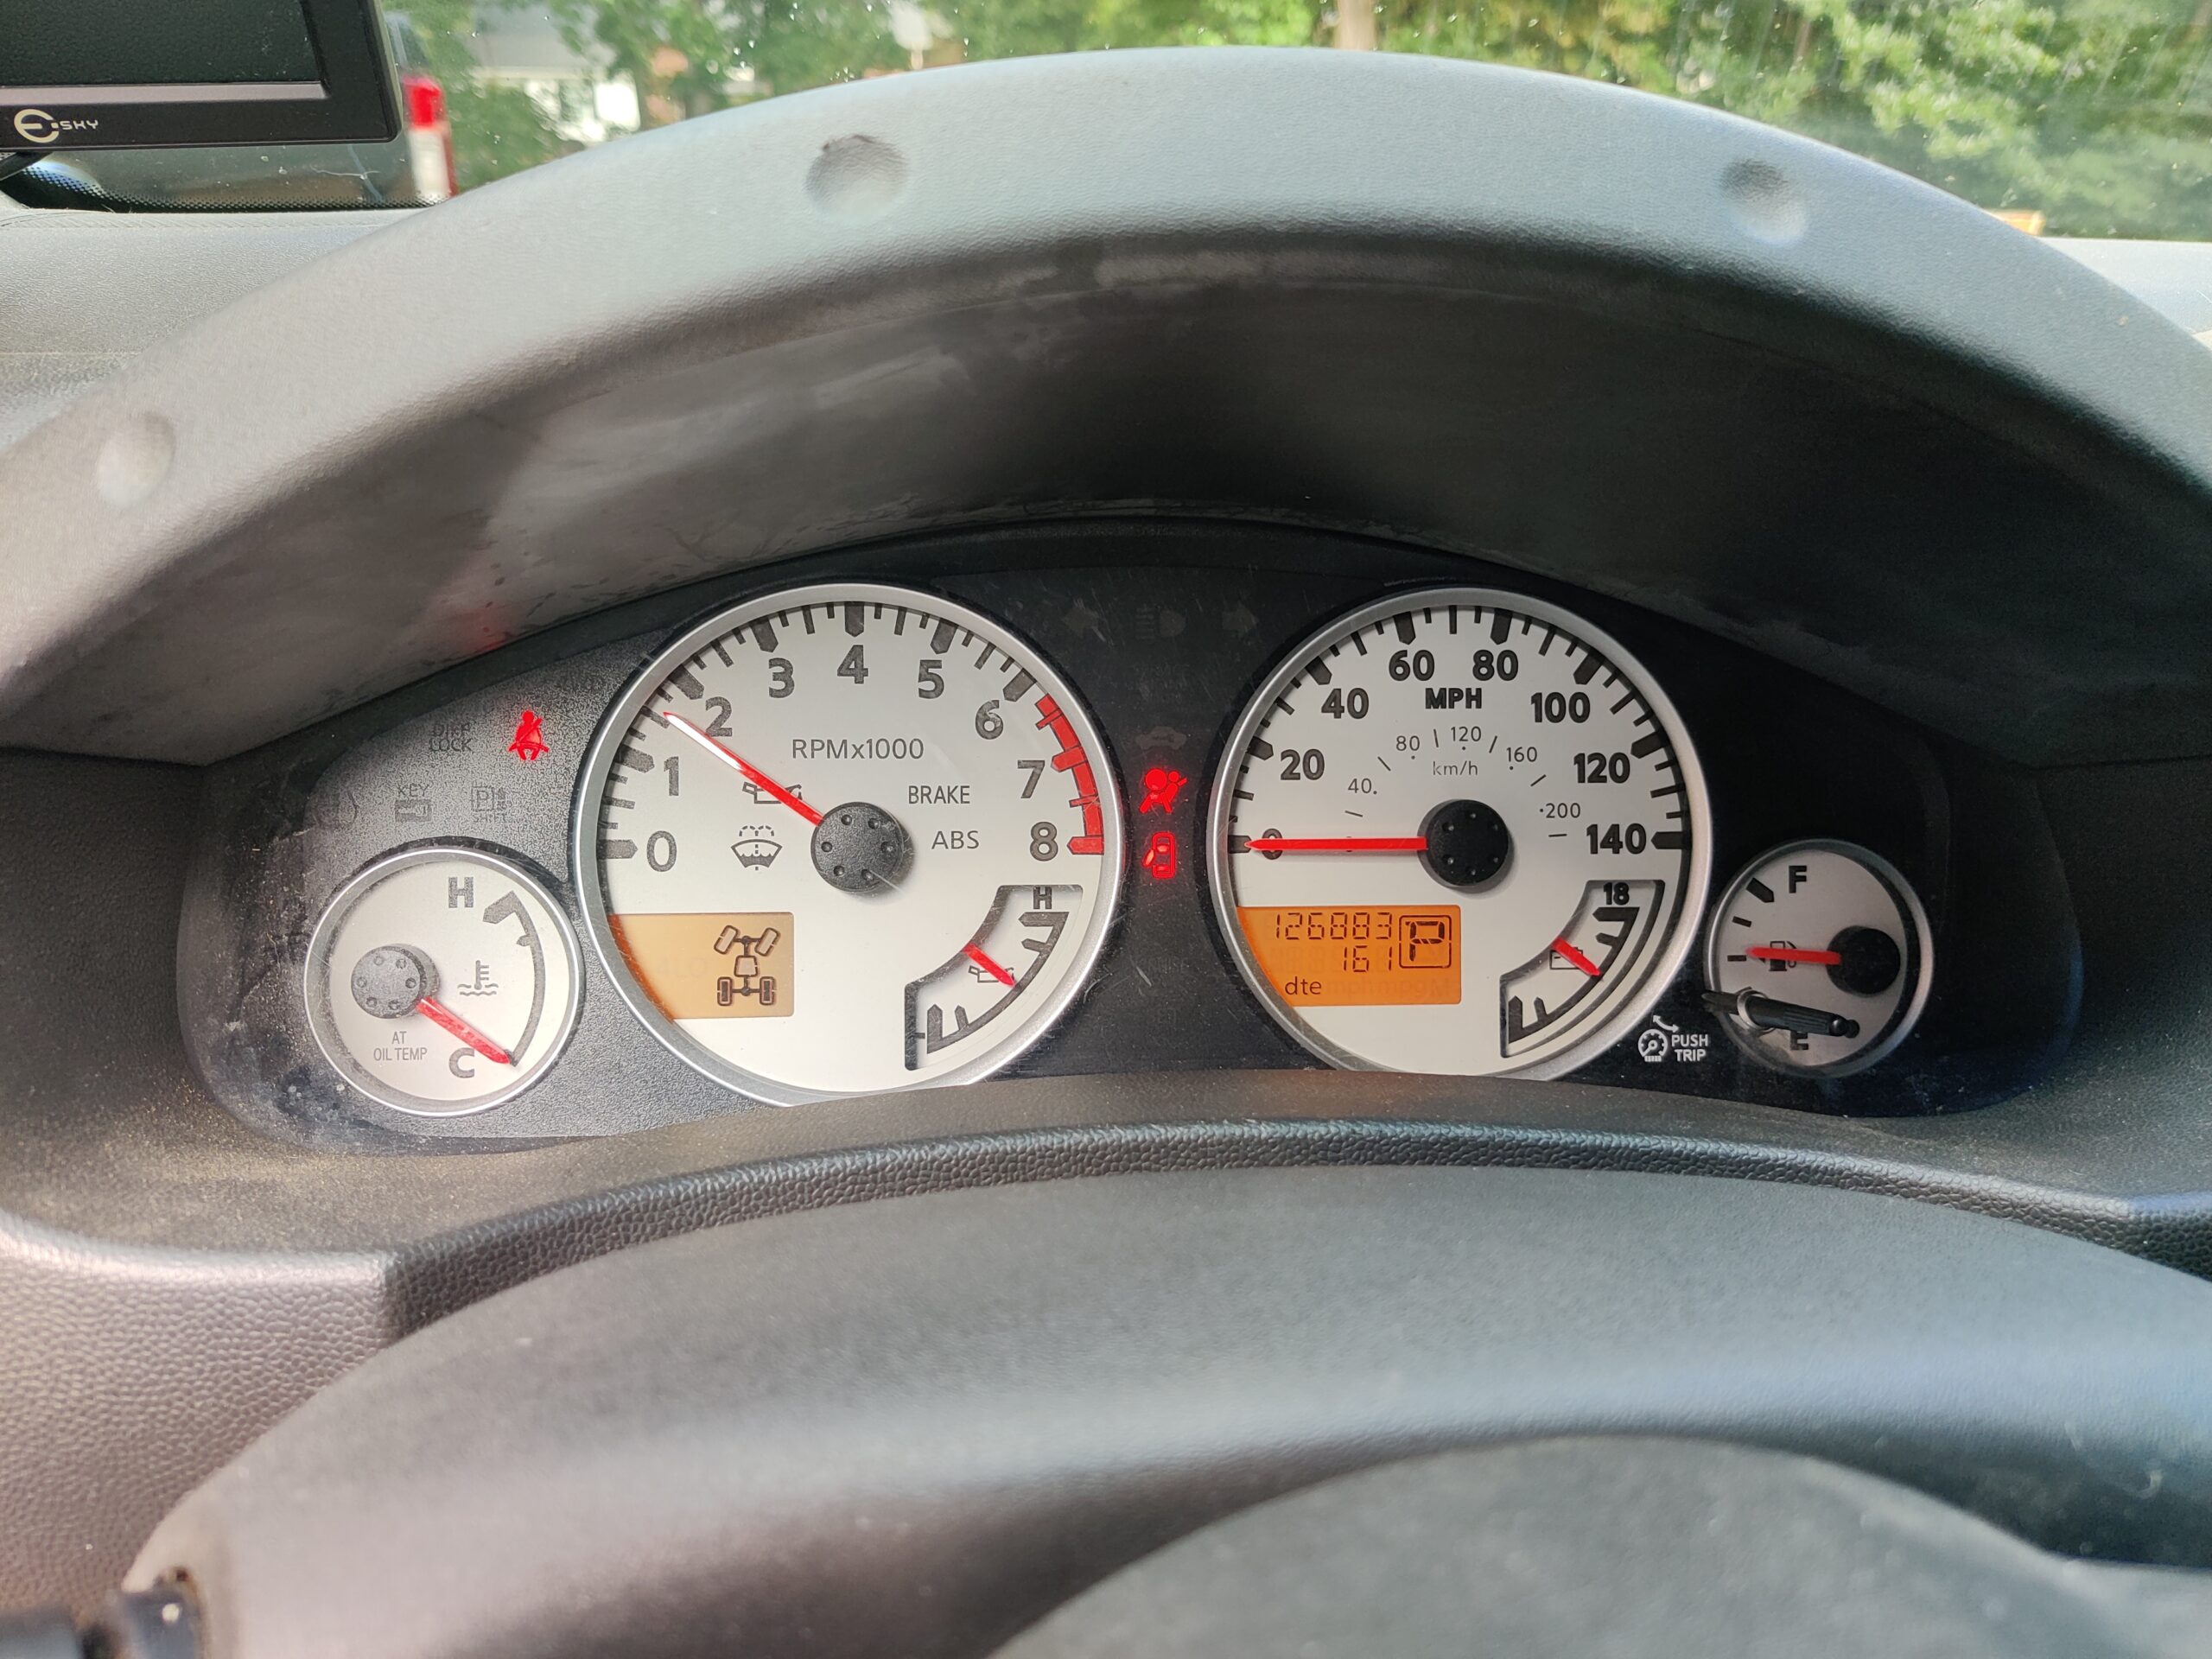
(1357, 955)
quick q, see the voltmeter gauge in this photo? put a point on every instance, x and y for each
(848, 838)
(442, 980)
(1459, 831)
(1818, 958)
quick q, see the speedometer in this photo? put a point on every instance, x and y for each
(1459, 831)
(848, 838)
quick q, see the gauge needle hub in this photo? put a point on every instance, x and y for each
(437, 1014)
(750, 773)
(1338, 844)
(1791, 953)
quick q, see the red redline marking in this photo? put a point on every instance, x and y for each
(1338, 844)
(1790, 953)
(975, 954)
(752, 774)
(437, 1014)
(1071, 760)
(1576, 957)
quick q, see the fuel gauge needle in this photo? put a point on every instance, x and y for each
(437, 1014)
(1791, 953)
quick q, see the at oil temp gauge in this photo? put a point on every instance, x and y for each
(441, 980)
(1818, 958)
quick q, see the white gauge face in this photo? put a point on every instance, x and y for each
(1824, 927)
(849, 838)
(1459, 831)
(441, 980)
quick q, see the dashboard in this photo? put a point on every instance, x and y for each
(1496, 621)
(1110, 797)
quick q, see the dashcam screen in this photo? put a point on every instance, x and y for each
(99, 43)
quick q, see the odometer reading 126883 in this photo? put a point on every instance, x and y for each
(1459, 831)
(848, 838)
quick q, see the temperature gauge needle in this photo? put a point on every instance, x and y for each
(975, 954)
(1338, 844)
(1791, 953)
(1560, 947)
(436, 1011)
(750, 773)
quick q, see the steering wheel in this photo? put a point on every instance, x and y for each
(1724, 1417)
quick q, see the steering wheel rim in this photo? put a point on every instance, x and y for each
(922, 1424)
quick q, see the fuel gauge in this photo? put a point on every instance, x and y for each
(442, 980)
(1818, 958)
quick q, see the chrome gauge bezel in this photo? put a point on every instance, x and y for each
(614, 725)
(1632, 1006)
(1923, 940)
(316, 978)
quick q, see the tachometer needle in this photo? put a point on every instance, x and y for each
(1791, 953)
(1562, 948)
(436, 1011)
(750, 773)
(1337, 844)
(975, 954)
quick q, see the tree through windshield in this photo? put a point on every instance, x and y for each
(2085, 117)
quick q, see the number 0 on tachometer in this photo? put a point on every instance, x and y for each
(848, 838)
(1459, 831)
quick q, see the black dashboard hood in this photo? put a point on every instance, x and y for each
(1655, 351)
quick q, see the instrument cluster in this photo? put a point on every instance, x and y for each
(1088, 800)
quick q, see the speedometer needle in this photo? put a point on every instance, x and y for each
(1791, 953)
(437, 1014)
(1338, 844)
(750, 773)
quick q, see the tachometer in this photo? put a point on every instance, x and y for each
(1459, 831)
(848, 838)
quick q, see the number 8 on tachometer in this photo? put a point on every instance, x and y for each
(1459, 831)
(848, 838)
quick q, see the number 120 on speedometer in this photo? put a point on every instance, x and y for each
(1498, 798)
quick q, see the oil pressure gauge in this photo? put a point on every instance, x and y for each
(1818, 958)
(441, 980)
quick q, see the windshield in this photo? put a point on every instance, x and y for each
(2080, 117)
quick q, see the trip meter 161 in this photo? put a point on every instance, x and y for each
(848, 838)
(1459, 831)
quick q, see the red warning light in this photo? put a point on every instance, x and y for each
(1159, 855)
(1161, 786)
(528, 742)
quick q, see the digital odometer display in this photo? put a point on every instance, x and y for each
(1343, 956)
(848, 838)
(1459, 831)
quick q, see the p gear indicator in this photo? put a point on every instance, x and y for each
(1367, 955)
(1469, 753)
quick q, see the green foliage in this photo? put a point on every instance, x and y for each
(2098, 112)
(683, 54)
(497, 129)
